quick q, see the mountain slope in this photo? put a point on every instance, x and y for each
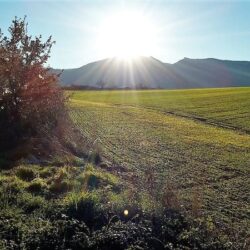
(213, 72)
(149, 72)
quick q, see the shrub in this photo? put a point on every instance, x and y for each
(32, 103)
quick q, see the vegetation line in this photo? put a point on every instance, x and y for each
(209, 122)
(194, 118)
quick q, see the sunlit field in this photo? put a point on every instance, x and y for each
(124, 125)
(196, 141)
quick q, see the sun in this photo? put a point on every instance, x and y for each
(126, 34)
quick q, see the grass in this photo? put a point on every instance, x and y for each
(228, 107)
(180, 172)
(36, 216)
(197, 141)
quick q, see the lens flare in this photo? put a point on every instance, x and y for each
(125, 212)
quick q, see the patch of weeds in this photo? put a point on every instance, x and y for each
(62, 173)
(77, 162)
(57, 161)
(29, 202)
(93, 178)
(83, 206)
(105, 165)
(122, 205)
(2, 244)
(61, 186)
(46, 172)
(64, 180)
(63, 233)
(15, 185)
(4, 179)
(89, 167)
(38, 185)
(25, 173)
(203, 234)
(94, 157)
(92, 181)
(148, 204)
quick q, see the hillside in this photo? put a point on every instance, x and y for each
(149, 72)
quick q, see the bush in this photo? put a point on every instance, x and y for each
(32, 103)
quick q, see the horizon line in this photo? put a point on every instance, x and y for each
(116, 57)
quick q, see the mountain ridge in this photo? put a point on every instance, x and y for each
(150, 72)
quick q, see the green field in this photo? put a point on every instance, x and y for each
(197, 141)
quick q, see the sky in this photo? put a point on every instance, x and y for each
(90, 30)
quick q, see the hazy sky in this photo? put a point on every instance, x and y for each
(194, 29)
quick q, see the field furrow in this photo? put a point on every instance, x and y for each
(196, 150)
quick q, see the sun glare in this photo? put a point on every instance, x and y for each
(126, 35)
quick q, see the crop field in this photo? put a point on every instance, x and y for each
(196, 141)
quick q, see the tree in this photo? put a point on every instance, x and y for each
(31, 101)
(101, 83)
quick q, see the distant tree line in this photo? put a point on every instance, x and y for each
(88, 87)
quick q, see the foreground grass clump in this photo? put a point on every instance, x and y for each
(100, 216)
(29, 202)
(92, 178)
(83, 206)
(38, 185)
(25, 173)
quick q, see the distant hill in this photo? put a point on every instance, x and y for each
(149, 72)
